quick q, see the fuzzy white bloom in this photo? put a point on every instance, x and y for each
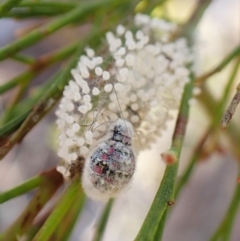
(144, 80)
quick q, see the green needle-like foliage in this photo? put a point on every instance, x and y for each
(67, 210)
(24, 109)
(50, 183)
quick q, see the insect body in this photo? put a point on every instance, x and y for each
(111, 164)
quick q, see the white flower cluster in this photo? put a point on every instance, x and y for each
(142, 80)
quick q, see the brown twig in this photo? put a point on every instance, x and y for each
(231, 109)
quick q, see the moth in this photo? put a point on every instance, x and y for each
(110, 165)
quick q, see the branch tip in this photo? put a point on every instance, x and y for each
(169, 157)
(231, 109)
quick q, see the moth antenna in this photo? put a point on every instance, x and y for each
(140, 143)
(121, 112)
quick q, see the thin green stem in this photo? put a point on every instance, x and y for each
(159, 205)
(185, 31)
(165, 193)
(39, 65)
(73, 193)
(226, 94)
(57, 55)
(210, 104)
(26, 76)
(23, 59)
(25, 79)
(229, 113)
(188, 171)
(77, 13)
(35, 227)
(16, 98)
(71, 216)
(21, 110)
(161, 226)
(223, 232)
(102, 222)
(51, 181)
(220, 66)
(12, 125)
(33, 13)
(21, 189)
(198, 150)
(28, 9)
(53, 4)
(7, 6)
